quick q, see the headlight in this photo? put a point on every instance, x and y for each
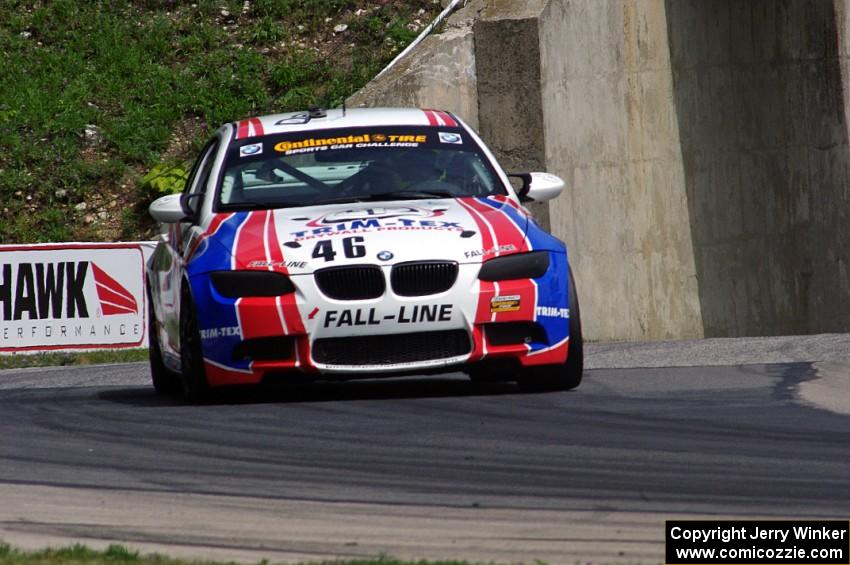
(519, 266)
(238, 284)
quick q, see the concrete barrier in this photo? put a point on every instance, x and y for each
(440, 70)
(704, 145)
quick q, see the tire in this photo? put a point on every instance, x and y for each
(193, 376)
(563, 376)
(164, 380)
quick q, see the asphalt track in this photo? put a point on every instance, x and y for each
(432, 467)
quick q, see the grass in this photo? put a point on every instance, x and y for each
(95, 94)
(20, 361)
(119, 555)
(114, 554)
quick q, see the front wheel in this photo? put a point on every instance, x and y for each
(563, 376)
(164, 381)
(193, 376)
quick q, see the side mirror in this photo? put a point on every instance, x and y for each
(168, 209)
(538, 186)
(191, 204)
(542, 186)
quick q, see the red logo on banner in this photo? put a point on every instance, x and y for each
(114, 298)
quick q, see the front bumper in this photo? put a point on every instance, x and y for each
(246, 339)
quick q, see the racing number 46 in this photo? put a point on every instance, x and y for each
(350, 248)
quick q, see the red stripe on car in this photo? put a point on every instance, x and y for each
(509, 233)
(432, 117)
(242, 130)
(510, 202)
(286, 304)
(252, 312)
(436, 116)
(258, 126)
(486, 289)
(506, 232)
(448, 119)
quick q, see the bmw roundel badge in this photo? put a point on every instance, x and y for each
(250, 150)
(385, 255)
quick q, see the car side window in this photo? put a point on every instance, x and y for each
(197, 183)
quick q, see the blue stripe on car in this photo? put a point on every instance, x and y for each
(216, 311)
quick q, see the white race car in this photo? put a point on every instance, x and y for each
(345, 244)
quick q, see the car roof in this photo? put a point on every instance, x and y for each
(338, 118)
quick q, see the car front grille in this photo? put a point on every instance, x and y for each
(391, 349)
(358, 282)
(421, 278)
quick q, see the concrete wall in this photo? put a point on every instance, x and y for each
(439, 74)
(510, 102)
(704, 145)
(612, 133)
(711, 134)
(758, 93)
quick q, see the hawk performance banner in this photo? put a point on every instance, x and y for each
(72, 296)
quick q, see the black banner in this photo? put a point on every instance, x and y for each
(739, 542)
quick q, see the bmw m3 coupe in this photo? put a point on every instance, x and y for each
(353, 244)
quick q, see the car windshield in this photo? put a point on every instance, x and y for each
(354, 165)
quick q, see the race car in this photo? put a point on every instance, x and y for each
(336, 244)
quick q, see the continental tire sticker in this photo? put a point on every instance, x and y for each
(366, 140)
(504, 304)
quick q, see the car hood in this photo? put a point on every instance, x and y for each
(301, 240)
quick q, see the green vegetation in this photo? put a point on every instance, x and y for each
(72, 358)
(119, 555)
(96, 94)
(165, 179)
(114, 554)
